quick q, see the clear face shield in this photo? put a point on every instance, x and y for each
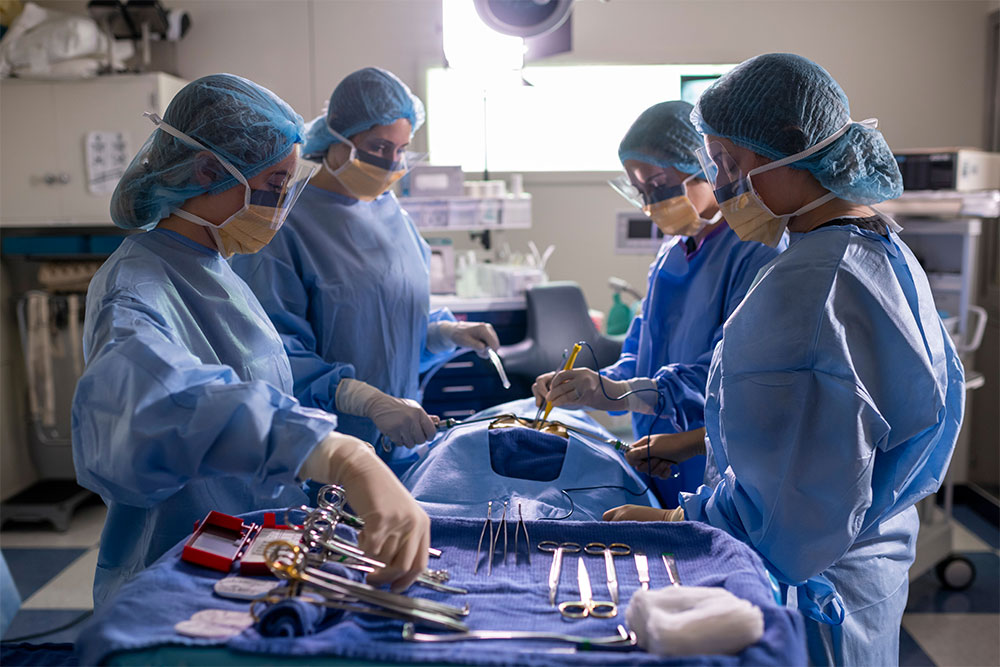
(663, 197)
(265, 207)
(367, 175)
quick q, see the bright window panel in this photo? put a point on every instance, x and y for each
(571, 118)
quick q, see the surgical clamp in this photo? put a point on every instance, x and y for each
(557, 549)
(609, 551)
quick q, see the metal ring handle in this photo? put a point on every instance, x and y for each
(574, 609)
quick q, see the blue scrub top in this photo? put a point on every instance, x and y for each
(184, 404)
(347, 285)
(688, 298)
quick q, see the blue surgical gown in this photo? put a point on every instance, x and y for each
(680, 321)
(184, 406)
(834, 403)
(347, 285)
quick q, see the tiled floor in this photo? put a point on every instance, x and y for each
(54, 573)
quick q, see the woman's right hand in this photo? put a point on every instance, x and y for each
(397, 530)
(655, 455)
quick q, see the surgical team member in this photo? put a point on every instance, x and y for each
(185, 406)
(347, 280)
(699, 276)
(836, 396)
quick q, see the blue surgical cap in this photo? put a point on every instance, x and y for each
(364, 99)
(779, 104)
(663, 135)
(246, 124)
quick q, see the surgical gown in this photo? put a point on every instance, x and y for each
(184, 406)
(347, 285)
(834, 403)
(671, 339)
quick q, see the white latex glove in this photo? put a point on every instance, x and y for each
(480, 336)
(655, 455)
(643, 513)
(397, 530)
(401, 420)
(581, 387)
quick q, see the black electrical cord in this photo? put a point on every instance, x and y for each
(78, 619)
(660, 407)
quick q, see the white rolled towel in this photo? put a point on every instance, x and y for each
(693, 620)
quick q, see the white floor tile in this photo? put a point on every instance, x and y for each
(73, 588)
(85, 531)
(956, 639)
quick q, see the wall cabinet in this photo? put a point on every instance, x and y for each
(43, 131)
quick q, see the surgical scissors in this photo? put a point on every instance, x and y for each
(557, 550)
(586, 605)
(609, 551)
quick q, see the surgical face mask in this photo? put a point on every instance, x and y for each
(264, 211)
(668, 205)
(366, 176)
(739, 201)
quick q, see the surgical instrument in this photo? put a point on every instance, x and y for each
(609, 551)
(624, 638)
(671, 565)
(586, 605)
(557, 550)
(497, 364)
(288, 561)
(517, 530)
(332, 497)
(496, 540)
(567, 366)
(479, 547)
(642, 567)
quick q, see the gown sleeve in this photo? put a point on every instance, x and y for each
(148, 416)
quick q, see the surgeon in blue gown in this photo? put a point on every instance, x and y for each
(347, 282)
(699, 276)
(836, 395)
(184, 406)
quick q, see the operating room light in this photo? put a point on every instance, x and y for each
(470, 44)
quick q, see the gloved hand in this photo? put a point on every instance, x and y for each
(397, 530)
(480, 336)
(655, 456)
(643, 513)
(580, 387)
(401, 420)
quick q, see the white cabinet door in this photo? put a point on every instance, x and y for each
(28, 154)
(44, 177)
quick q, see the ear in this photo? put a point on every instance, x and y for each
(207, 169)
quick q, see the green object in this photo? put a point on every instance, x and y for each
(619, 317)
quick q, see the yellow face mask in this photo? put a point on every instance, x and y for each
(246, 233)
(675, 216)
(364, 180)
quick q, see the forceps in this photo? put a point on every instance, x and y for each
(586, 605)
(671, 565)
(557, 550)
(609, 551)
